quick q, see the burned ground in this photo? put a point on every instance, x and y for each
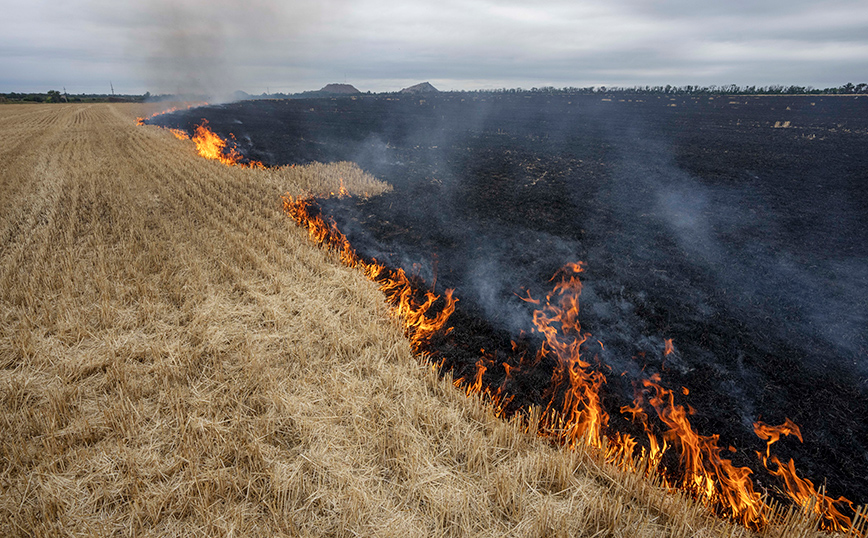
(734, 226)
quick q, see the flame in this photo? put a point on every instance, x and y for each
(669, 347)
(212, 146)
(423, 313)
(773, 433)
(803, 492)
(800, 490)
(577, 415)
(209, 144)
(342, 191)
(706, 474)
(179, 134)
(142, 119)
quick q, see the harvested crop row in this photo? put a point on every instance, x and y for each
(177, 359)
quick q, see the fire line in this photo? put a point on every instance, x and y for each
(574, 415)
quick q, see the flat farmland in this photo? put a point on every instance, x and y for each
(176, 358)
(732, 227)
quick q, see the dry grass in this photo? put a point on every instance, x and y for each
(177, 359)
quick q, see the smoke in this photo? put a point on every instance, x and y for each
(755, 273)
(732, 264)
(214, 48)
(775, 258)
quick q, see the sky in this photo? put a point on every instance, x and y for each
(218, 46)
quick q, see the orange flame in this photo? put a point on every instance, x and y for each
(342, 191)
(209, 144)
(803, 492)
(142, 119)
(800, 490)
(421, 315)
(580, 415)
(773, 433)
(706, 474)
(212, 146)
(179, 134)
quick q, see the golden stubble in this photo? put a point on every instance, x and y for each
(177, 359)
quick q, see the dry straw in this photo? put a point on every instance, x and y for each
(176, 359)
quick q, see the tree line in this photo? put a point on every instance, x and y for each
(726, 89)
(55, 96)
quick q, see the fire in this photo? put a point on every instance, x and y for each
(801, 490)
(212, 146)
(179, 134)
(669, 347)
(574, 415)
(709, 476)
(209, 144)
(423, 313)
(577, 415)
(342, 191)
(141, 120)
(773, 433)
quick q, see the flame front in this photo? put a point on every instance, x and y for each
(423, 313)
(705, 473)
(212, 146)
(801, 490)
(574, 414)
(142, 119)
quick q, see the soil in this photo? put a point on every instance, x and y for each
(737, 226)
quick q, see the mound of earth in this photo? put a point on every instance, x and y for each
(345, 89)
(424, 87)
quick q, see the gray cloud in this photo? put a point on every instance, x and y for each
(194, 45)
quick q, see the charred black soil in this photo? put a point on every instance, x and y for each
(736, 226)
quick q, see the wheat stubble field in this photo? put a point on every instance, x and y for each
(177, 359)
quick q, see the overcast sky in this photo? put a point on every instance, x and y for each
(284, 46)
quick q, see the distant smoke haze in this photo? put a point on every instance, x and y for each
(210, 47)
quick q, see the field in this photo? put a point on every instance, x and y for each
(724, 241)
(177, 359)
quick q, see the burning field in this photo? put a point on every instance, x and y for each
(718, 245)
(177, 358)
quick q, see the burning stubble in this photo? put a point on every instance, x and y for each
(178, 359)
(640, 185)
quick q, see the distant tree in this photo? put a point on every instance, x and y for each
(53, 96)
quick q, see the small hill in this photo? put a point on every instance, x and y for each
(344, 89)
(424, 87)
